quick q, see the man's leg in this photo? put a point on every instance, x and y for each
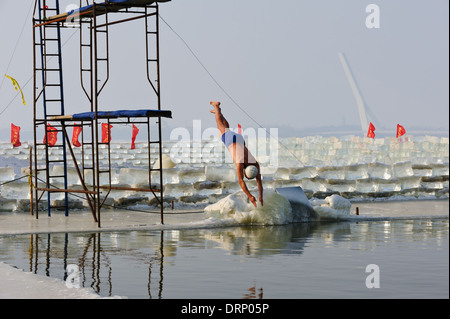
(222, 123)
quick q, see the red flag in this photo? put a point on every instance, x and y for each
(133, 138)
(400, 130)
(52, 135)
(15, 135)
(106, 132)
(371, 132)
(75, 134)
(239, 129)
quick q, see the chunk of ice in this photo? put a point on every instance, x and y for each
(16, 190)
(331, 172)
(403, 169)
(333, 207)
(178, 190)
(221, 174)
(133, 176)
(6, 174)
(236, 208)
(380, 170)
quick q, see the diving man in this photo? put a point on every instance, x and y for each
(246, 164)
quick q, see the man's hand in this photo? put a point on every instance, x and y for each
(253, 200)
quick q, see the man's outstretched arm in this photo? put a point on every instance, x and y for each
(240, 175)
(260, 188)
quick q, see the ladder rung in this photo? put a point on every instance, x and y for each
(56, 161)
(48, 70)
(57, 176)
(51, 25)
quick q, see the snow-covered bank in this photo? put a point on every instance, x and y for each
(17, 284)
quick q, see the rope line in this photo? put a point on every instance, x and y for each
(26, 83)
(17, 44)
(123, 208)
(231, 98)
(14, 180)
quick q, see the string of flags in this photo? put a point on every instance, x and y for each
(51, 136)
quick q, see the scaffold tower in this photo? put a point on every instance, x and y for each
(93, 21)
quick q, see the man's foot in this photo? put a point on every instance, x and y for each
(216, 106)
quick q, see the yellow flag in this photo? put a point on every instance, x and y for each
(17, 87)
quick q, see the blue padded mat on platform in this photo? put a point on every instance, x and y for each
(123, 113)
(115, 5)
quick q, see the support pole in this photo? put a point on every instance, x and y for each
(30, 181)
(80, 176)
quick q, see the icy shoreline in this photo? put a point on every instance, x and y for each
(18, 284)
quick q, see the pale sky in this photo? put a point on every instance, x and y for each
(277, 59)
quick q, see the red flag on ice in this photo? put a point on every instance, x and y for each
(75, 134)
(51, 136)
(239, 129)
(133, 137)
(15, 135)
(106, 132)
(400, 130)
(371, 132)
